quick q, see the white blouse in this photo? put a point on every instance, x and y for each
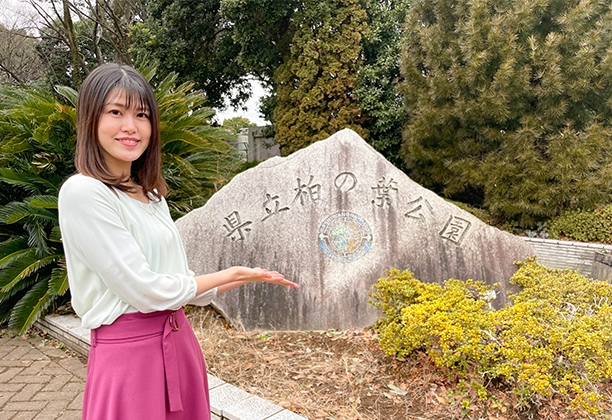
(122, 255)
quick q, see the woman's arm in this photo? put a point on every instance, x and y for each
(237, 276)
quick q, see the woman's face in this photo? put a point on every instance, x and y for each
(123, 133)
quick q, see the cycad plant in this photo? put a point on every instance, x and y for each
(197, 160)
(37, 138)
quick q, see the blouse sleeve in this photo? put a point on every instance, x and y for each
(205, 298)
(91, 224)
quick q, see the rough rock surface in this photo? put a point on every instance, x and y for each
(333, 217)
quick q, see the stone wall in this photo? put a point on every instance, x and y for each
(565, 254)
(260, 147)
(602, 267)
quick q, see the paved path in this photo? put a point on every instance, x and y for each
(39, 381)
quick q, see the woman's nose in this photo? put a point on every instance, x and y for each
(129, 124)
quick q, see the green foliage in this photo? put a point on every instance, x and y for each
(509, 103)
(195, 41)
(75, 37)
(233, 125)
(553, 339)
(36, 154)
(37, 138)
(585, 226)
(378, 77)
(482, 214)
(316, 83)
(57, 58)
(262, 31)
(197, 160)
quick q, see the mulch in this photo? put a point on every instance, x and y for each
(346, 375)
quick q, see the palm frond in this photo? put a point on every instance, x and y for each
(163, 90)
(56, 234)
(148, 68)
(37, 238)
(12, 144)
(12, 250)
(16, 211)
(30, 307)
(7, 306)
(42, 201)
(58, 282)
(11, 272)
(68, 93)
(183, 142)
(31, 182)
(26, 271)
(19, 179)
(11, 245)
(176, 163)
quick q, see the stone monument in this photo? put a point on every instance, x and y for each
(333, 218)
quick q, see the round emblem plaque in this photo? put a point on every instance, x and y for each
(345, 237)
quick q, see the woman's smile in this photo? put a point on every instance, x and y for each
(128, 141)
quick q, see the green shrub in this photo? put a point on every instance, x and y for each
(555, 339)
(480, 213)
(585, 226)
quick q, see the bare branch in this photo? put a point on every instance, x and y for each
(11, 74)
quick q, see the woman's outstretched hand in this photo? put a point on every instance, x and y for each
(237, 276)
(251, 275)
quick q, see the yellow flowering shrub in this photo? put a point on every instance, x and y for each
(556, 337)
(450, 321)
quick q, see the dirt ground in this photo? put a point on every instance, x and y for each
(346, 375)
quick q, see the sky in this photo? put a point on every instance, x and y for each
(252, 105)
(15, 12)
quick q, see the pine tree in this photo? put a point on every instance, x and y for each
(316, 82)
(510, 103)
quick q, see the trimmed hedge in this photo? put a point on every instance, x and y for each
(584, 226)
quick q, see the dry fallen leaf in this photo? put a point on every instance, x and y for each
(396, 390)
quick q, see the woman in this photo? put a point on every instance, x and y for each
(126, 265)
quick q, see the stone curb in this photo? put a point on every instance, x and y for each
(227, 402)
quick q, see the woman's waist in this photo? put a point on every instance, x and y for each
(138, 326)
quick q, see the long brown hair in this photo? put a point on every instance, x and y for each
(89, 160)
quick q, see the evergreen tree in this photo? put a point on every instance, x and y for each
(192, 39)
(235, 124)
(510, 103)
(378, 78)
(262, 31)
(316, 83)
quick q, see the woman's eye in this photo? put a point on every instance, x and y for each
(114, 112)
(143, 115)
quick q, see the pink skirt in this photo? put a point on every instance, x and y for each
(146, 366)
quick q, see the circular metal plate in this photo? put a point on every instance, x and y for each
(345, 237)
